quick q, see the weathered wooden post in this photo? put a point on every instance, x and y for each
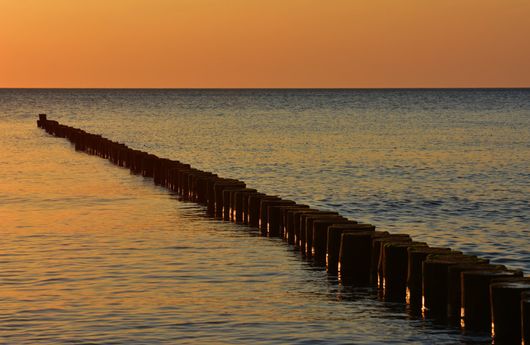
(454, 285)
(505, 299)
(355, 255)
(275, 218)
(414, 273)
(219, 187)
(320, 237)
(288, 215)
(303, 232)
(264, 212)
(203, 192)
(293, 223)
(232, 195)
(308, 228)
(42, 119)
(334, 243)
(210, 187)
(245, 200)
(435, 284)
(238, 211)
(254, 206)
(377, 253)
(226, 203)
(525, 317)
(395, 265)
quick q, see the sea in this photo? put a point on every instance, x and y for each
(92, 254)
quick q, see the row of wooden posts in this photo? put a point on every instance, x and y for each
(439, 283)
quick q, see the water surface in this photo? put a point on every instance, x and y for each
(92, 254)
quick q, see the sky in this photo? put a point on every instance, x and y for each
(264, 43)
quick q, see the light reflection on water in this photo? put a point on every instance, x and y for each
(92, 253)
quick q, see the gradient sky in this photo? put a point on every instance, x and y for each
(264, 43)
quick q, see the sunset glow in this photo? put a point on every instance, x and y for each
(274, 43)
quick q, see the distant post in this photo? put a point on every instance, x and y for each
(41, 120)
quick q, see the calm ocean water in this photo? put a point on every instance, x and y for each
(92, 254)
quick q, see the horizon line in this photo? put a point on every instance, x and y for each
(272, 88)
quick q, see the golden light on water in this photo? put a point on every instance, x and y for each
(112, 240)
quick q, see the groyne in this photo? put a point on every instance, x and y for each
(438, 283)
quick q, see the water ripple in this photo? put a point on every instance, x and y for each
(91, 254)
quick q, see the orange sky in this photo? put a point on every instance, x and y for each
(264, 43)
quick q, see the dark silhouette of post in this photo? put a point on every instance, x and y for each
(454, 286)
(395, 261)
(476, 305)
(355, 254)
(505, 299)
(334, 243)
(416, 256)
(435, 283)
(525, 317)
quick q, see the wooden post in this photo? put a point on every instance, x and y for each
(219, 187)
(254, 205)
(245, 204)
(505, 299)
(303, 218)
(239, 202)
(264, 212)
(276, 226)
(320, 237)
(525, 317)
(210, 188)
(334, 243)
(42, 119)
(355, 255)
(395, 264)
(293, 223)
(435, 272)
(377, 253)
(414, 273)
(454, 286)
(308, 226)
(289, 214)
(232, 201)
